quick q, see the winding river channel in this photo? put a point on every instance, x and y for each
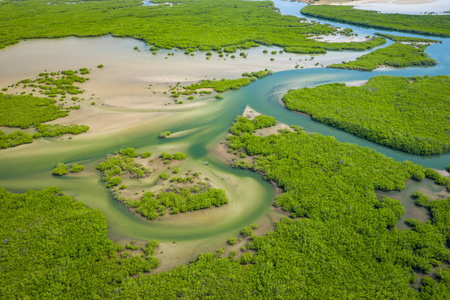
(29, 167)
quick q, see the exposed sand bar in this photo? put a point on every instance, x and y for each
(401, 6)
(121, 90)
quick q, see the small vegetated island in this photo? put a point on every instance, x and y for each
(62, 169)
(188, 24)
(172, 191)
(405, 52)
(206, 87)
(329, 188)
(410, 114)
(438, 25)
(224, 85)
(27, 110)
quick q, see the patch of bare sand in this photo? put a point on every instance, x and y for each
(400, 6)
(356, 83)
(340, 38)
(358, 2)
(443, 172)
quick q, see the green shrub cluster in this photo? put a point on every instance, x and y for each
(61, 169)
(354, 46)
(396, 55)
(438, 25)
(24, 111)
(129, 152)
(176, 156)
(76, 168)
(178, 200)
(146, 154)
(15, 138)
(224, 85)
(120, 164)
(405, 113)
(57, 83)
(410, 39)
(304, 50)
(259, 74)
(243, 124)
(56, 130)
(164, 134)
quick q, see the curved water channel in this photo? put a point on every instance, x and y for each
(251, 197)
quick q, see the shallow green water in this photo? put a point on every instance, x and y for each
(30, 166)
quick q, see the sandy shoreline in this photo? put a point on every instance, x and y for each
(393, 6)
(134, 86)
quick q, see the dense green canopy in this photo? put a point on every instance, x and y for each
(345, 245)
(396, 55)
(438, 25)
(202, 24)
(410, 114)
(53, 247)
(24, 111)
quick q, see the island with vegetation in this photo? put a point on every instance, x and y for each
(175, 194)
(405, 113)
(438, 25)
(408, 39)
(397, 55)
(224, 85)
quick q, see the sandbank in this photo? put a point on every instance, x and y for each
(134, 86)
(340, 38)
(399, 6)
(356, 83)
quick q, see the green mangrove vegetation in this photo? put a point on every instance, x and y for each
(344, 229)
(180, 194)
(411, 39)
(164, 134)
(438, 25)
(56, 247)
(397, 55)
(224, 85)
(243, 124)
(178, 199)
(60, 170)
(340, 240)
(47, 130)
(52, 84)
(341, 227)
(188, 24)
(25, 111)
(405, 113)
(15, 138)
(338, 46)
(76, 168)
